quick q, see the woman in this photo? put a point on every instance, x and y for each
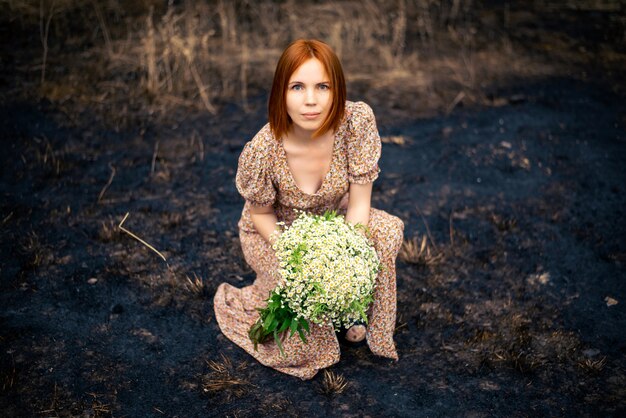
(318, 152)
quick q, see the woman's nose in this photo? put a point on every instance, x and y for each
(310, 97)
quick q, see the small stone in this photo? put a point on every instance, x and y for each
(65, 260)
(93, 280)
(610, 301)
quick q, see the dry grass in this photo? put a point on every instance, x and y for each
(155, 57)
(8, 376)
(196, 285)
(53, 403)
(139, 239)
(47, 157)
(100, 408)
(503, 224)
(226, 379)
(333, 383)
(38, 253)
(395, 139)
(420, 252)
(63, 404)
(159, 56)
(592, 366)
(519, 345)
(108, 183)
(108, 230)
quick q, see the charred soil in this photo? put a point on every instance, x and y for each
(511, 281)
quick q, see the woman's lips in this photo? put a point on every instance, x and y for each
(311, 115)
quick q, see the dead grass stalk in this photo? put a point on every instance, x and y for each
(416, 251)
(333, 383)
(593, 366)
(223, 378)
(198, 54)
(44, 31)
(154, 158)
(195, 284)
(103, 28)
(106, 186)
(139, 239)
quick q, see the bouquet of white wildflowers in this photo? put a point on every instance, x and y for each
(327, 275)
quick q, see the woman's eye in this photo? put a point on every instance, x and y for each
(296, 87)
(324, 87)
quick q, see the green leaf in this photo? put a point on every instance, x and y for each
(284, 325)
(257, 335)
(273, 325)
(268, 320)
(304, 324)
(254, 328)
(280, 347)
(363, 316)
(302, 337)
(293, 326)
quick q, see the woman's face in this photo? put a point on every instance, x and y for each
(309, 98)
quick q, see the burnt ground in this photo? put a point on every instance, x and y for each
(511, 314)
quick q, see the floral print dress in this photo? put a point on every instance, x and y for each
(263, 178)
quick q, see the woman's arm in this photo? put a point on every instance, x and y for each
(264, 220)
(359, 202)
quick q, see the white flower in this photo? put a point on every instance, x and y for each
(325, 267)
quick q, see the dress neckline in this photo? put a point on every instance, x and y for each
(324, 179)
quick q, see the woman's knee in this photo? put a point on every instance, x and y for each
(396, 231)
(387, 229)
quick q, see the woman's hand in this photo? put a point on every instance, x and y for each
(265, 222)
(359, 203)
(274, 236)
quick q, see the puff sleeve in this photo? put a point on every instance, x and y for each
(364, 145)
(254, 176)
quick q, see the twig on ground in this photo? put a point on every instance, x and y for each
(196, 138)
(139, 239)
(53, 404)
(154, 157)
(6, 218)
(402, 325)
(43, 34)
(103, 26)
(455, 102)
(430, 237)
(451, 228)
(106, 186)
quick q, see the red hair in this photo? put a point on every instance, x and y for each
(293, 57)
